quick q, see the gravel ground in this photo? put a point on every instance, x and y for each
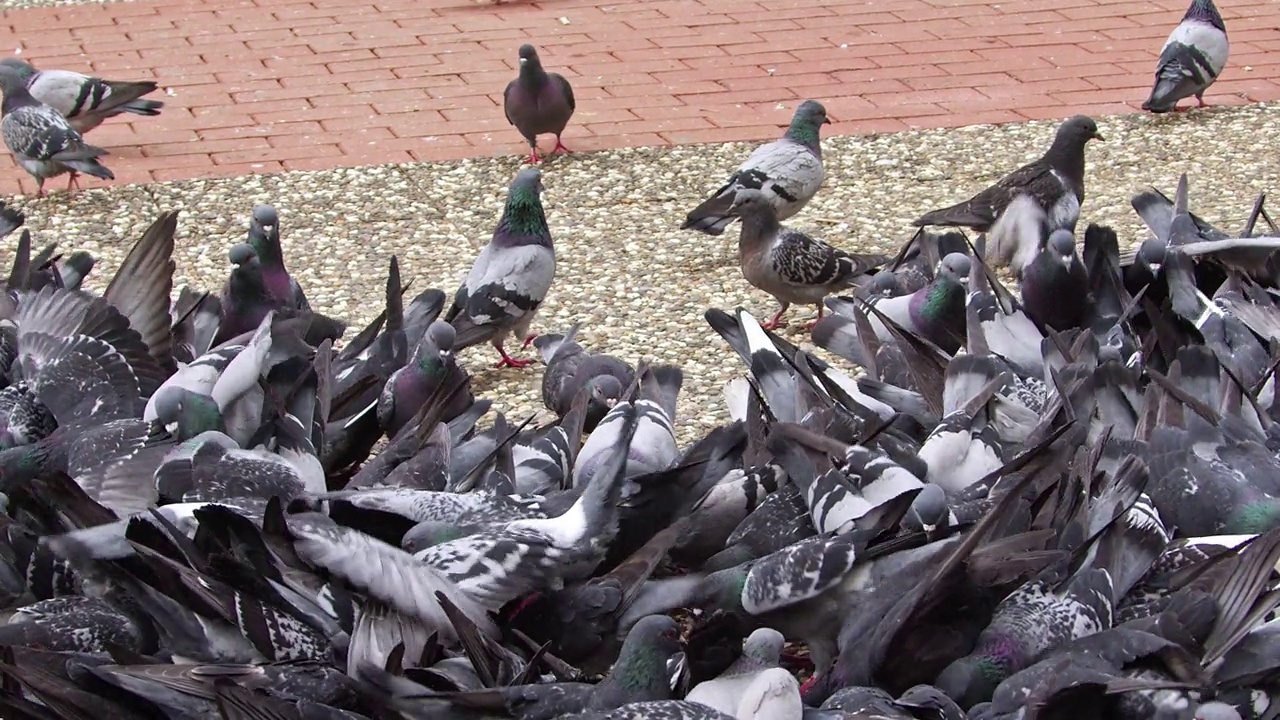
(638, 285)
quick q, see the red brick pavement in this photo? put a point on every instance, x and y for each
(268, 85)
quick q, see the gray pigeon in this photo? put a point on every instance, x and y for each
(760, 652)
(788, 171)
(1056, 181)
(538, 102)
(936, 311)
(511, 276)
(571, 368)
(789, 265)
(41, 139)
(85, 101)
(1192, 58)
(410, 387)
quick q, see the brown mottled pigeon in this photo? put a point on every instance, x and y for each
(41, 139)
(538, 102)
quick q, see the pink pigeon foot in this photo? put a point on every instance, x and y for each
(774, 323)
(508, 361)
(1203, 104)
(528, 340)
(808, 684)
(534, 159)
(560, 147)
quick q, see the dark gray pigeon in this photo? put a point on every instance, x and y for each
(936, 311)
(264, 238)
(409, 388)
(1056, 181)
(1055, 286)
(789, 265)
(1192, 58)
(571, 368)
(42, 140)
(85, 101)
(538, 102)
(788, 171)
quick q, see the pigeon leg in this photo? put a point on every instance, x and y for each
(528, 340)
(560, 147)
(1200, 99)
(777, 318)
(508, 361)
(40, 188)
(533, 152)
(73, 183)
(809, 326)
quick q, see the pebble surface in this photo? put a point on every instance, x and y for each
(637, 283)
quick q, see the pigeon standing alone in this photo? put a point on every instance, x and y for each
(85, 101)
(510, 277)
(1192, 58)
(789, 265)
(788, 171)
(1055, 181)
(41, 139)
(538, 102)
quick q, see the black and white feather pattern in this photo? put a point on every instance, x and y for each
(41, 139)
(796, 573)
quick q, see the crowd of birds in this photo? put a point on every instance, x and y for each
(47, 112)
(1059, 502)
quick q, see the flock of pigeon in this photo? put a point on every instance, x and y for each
(1062, 502)
(46, 112)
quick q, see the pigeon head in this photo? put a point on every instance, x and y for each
(806, 123)
(1206, 12)
(957, 267)
(606, 390)
(528, 55)
(12, 84)
(883, 284)
(193, 412)
(264, 235)
(764, 646)
(970, 680)
(1151, 253)
(430, 533)
(1081, 129)
(1063, 246)
(243, 254)
(523, 220)
(929, 510)
(23, 68)
(441, 336)
(643, 665)
(749, 201)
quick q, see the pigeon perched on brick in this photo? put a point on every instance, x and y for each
(538, 102)
(84, 100)
(1056, 181)
(788, 171)
(42, 140)
(511, 276)
(789, 265)
(1192, 58)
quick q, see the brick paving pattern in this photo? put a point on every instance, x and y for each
(268, 85)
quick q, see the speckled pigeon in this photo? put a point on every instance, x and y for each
(41, 139)
(788, 264)
(1191, 59)
(1056, 181)
(788, 171)
(511, 277)
(84, 100)
(538, 102)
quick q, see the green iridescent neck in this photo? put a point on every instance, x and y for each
(524, 214)
(1253, 518)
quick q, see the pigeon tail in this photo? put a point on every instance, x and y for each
(712, 215)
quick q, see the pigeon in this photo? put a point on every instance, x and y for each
(788, 171)
(1055, 286)
(936, 311)
(1056, 181)
(570, 368)
(408, 389)
(1191, 59)
(538, 102)
(85, 101)
(264, 238)
(760, 652)
(42, 141)
(511, 276)
(789, 265)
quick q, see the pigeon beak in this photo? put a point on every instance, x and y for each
(826, 121)
(1155, 268)
(524, 60)
(1098, 136)
(610, 403)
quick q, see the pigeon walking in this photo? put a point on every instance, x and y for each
(789, 265)
(1055, 181)
(85, 101)
(1192, 58)
(538, 102)
(511, 276)
(788, 171)
(41, 139)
